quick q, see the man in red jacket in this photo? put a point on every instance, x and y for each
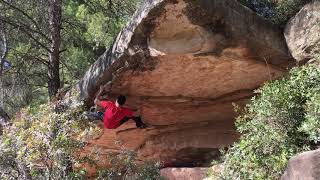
(115, 114)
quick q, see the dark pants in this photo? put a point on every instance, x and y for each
(137, 120)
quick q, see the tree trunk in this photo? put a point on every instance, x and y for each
(3, 55)
(55, 27)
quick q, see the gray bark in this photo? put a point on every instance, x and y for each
(4, 52)
(4, 118)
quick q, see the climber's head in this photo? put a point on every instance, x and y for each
(121, 100)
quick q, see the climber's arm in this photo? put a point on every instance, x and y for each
(98, 100)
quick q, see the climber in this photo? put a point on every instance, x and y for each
(114, 113)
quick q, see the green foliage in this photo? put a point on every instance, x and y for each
(88, 28)
(102, 19)
(286, 9)
(44, 144)
(124, 166)
(279, 11)
(279, 123)
(149, 171)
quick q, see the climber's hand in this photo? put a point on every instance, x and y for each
(101, 88)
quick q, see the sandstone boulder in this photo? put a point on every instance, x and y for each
(302, 33)
(304, 166)
(182, 64)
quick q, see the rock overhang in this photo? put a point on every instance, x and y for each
(183, 29)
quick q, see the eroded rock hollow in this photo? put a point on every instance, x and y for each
(182, 64)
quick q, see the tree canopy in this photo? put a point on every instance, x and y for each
(37, 43)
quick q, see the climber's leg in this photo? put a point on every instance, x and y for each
(124, 120)
(137, 120)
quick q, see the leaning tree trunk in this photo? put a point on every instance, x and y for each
(1, 83)
(55, 27)
(3, 55)
(4, 118)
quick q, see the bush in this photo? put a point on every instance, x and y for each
(278, 11)
(42, 144)
(148, 171)
(286, 9)
(125, 166)
(45, 143)
(279, 123)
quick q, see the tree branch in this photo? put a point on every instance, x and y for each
(25, 31)
(28, 17)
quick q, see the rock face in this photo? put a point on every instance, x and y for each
(304, 166)
(182, 64)
(302, 32)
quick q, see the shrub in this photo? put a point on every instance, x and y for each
(279, 123)
(42, 144)
(45, 143)
(124, 166)
(278, 11)
(286, 9)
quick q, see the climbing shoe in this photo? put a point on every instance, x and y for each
(143, 126)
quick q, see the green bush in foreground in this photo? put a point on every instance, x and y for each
(42, 144)
(279, 123)
(124, 167)
(45, 143)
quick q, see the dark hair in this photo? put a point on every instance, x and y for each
(121, 100)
